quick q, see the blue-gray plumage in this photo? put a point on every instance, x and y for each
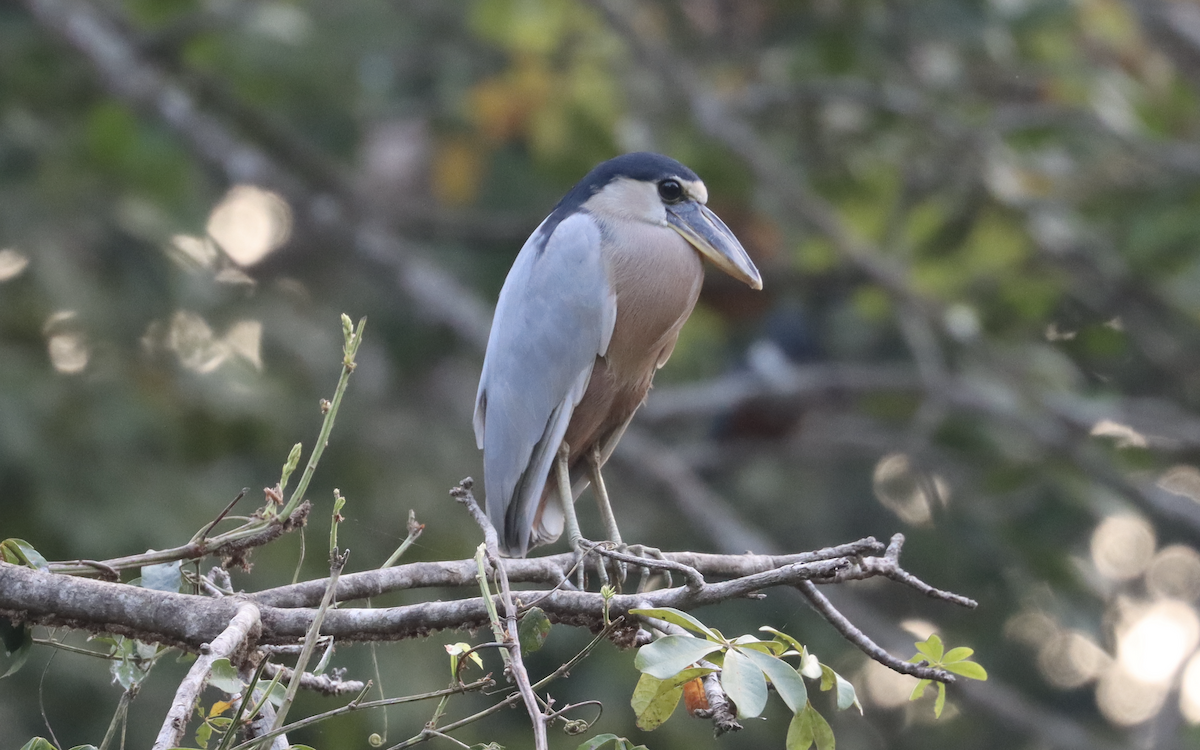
(591, 309)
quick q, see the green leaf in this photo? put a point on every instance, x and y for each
(18, 645)
(21, 552)
(672, 653)
(38, 743)
(940, 703)
(533, 629)
(931, 647)
(808, 727)
(784, 637)
(969, 669)
(787, 681)
(676, 617)
(957, 654)
(810, 667)
(203, 734)
(774, 648)
(653, 702)
(828, 678)
(85, 747)
(163, 577)
(919, 690)
(127, 672)
(224, 676)
(598, 741)
(800, 731)
(846, 695)
(656, 699)
(619, 743)
(822, 732)
(744, 683)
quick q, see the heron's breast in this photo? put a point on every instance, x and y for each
(656, 275)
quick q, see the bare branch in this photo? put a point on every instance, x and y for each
(516, 664)
(241, 634)
(547, 570)
(231, 545)
(188, 621)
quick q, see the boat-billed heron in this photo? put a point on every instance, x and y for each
(591, 309)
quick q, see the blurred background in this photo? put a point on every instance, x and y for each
(978, 224)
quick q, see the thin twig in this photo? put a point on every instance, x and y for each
(516, 665)
(356, 705)
(337, 561)
(414, 532)
(320, 683)
(864, 643)
(352, 338)
(888, 566)
(228, 544)
(512, 699)
(200, 537)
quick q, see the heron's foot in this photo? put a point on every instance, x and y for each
(619, 569)
(584, 549)
(646, 573)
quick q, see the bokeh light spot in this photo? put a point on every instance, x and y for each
(1071, 659)
(69, 352)
(192, 340)
(244, 339)
(1126, 700)
(1153, 641)
(12, 264)
(1189, 691)
(193, 252)
(1182, 480)
(250, 223)
(919, 628)
(67, 347)
(1122, 547)
(1124, 435)
(908, 492)
(887, 688)
(1175, 573)
(1031, 627)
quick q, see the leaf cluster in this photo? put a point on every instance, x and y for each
(746, 666)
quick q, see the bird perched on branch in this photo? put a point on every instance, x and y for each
(591, 308)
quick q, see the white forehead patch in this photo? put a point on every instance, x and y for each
(695, 190)
(637, 199)
(628, 199)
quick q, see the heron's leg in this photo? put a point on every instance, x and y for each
(606, 513)
(567, 498)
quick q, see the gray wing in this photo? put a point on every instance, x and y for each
(555, 315)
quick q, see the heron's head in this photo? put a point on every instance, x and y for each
(652, 188)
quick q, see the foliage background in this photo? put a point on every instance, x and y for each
(979, 232)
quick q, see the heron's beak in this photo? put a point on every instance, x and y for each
(708, 234)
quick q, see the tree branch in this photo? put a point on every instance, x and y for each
(239, 636)
(516, 664)
(188, 621)
(547, 570)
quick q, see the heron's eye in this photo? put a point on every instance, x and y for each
(670, 191)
